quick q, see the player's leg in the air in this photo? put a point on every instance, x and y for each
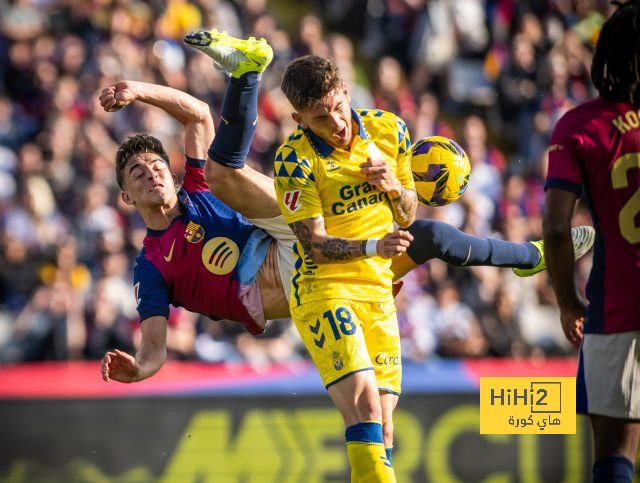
(434, 239)
(239, 186)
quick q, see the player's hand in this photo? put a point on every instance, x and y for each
(118, 95)
(379, 174)
(394, 243)
(119, 366)
(572, 320)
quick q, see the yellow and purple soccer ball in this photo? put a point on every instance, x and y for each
(441, 170)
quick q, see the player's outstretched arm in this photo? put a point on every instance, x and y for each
(123, 367)
(558, 246)
(323, 248)
(192, 113)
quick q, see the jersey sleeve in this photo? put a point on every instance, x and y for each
(564, 169)
(150, 289)
(403, 166)
(295, 184)
(194, 175)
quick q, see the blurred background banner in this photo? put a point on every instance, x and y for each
(193, 422)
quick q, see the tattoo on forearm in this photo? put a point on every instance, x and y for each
(303, 234)
(331, 248)
(404, 207)
(339, 249)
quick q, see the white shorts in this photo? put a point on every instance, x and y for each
(608, 381)
(280, 231)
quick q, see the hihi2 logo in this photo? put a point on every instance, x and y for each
(527, 405)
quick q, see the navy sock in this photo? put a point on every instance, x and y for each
(612, 469)
(434, 239)
(237, 127)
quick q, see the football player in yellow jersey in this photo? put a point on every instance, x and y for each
(342, 179)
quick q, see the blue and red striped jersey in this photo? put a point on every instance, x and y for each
(202, 260)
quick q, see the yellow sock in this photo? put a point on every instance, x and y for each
(367, 458)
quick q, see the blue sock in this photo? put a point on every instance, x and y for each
(612, 469)
(388, 451)
(434, 239)
(237, 127)
(367, 432)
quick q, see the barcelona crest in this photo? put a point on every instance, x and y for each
(194, 233)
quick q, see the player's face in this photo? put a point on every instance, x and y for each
(330, 119)
(148, 181)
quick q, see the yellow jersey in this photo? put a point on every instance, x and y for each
(313, 178)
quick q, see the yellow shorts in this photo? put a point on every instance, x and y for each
(346, 336)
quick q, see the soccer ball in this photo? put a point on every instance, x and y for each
(440, 169)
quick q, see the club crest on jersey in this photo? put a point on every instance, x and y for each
(194, 233)
(292, 200)
(337, 361)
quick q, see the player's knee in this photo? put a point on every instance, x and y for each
(216, 177)
(429, 239)
(430, 231)
(368, 408)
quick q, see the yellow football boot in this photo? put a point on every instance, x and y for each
(583, 238)
(235, 56)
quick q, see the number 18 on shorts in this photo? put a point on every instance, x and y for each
(346, 336)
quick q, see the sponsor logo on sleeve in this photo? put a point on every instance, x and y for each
(292, 200)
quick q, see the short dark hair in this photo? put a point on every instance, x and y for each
(307, 80)
(615, 70)
(137, 144)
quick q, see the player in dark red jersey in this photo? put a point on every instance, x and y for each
(595, 150)
(198, 252)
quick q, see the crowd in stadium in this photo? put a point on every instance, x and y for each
(495, 75)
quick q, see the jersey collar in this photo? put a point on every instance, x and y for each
(323, 148)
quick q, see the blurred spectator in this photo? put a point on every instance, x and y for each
(391, 92)
(21, 20)
(107, 327)
(487, 166)
(416, 320)
(428, 121)
(459, 333)
(216, 341)
(518, 95)
(50, 327)
(312, 41)
(501, 327)
(342, 52)
(389, 26)
(19, 274)
(179, 18)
